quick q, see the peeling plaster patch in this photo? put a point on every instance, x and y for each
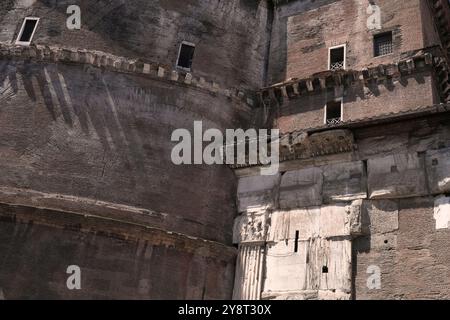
(442, 212)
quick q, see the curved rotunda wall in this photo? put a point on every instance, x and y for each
(106, 136)
(230, 37)
(81, 131)
(85, 151)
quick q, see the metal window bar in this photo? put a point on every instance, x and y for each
(334, 122)
(337, 66)
(384, 47)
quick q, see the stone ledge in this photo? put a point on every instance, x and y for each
(113, 229)
(115, 63)
(427, 58)
(86, 208)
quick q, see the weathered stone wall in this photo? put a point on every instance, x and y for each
(304, 30)
(117, 260)
(86, 119)
(324, 220)
(106, 136)
(408, 246)
(231, 36)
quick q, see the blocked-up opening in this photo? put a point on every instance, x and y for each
(186, 55)
(382, 44)
(27, 31)
(337, 58)
(334, 112)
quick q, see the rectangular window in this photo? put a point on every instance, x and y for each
(186, 55)
(27, 31)
(382, 44)
(333, 112)
(336, 58)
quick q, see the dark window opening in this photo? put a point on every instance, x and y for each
(186, 56)
(334, 113)
(324, 269)
(297, 236)
(337, 59)
(28, 30)
(382, 44)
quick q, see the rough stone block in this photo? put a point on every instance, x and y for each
(301, 188)
(333, 221)
(438, 170)
(161, 72)
(257, 193)
(396, 176)
(174, 76)
(354, 218)
(146, 69)
(379, 216)
(344, 182)
(188, 78)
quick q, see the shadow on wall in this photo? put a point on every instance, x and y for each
(96, 134)
(92, 105)
(357, 93)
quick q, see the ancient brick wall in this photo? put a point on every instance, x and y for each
(106, 136)
(359, 101)
(304, 30)
(86, 120)
(231, 37)
(116, 260)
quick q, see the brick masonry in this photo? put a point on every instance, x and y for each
(86, 177)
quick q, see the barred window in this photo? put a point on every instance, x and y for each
(337, 58)
(382, 44)
(333, 112)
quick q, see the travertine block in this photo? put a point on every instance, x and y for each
(438, 170)
(344, 182)
(257, 193)
(396, 176)
(301, 188)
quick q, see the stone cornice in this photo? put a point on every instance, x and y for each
(326, 140)
(413, 62)
(91, 211)
(110, 62)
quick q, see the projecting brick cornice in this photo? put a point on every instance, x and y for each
(414, 62)
(106, 61)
